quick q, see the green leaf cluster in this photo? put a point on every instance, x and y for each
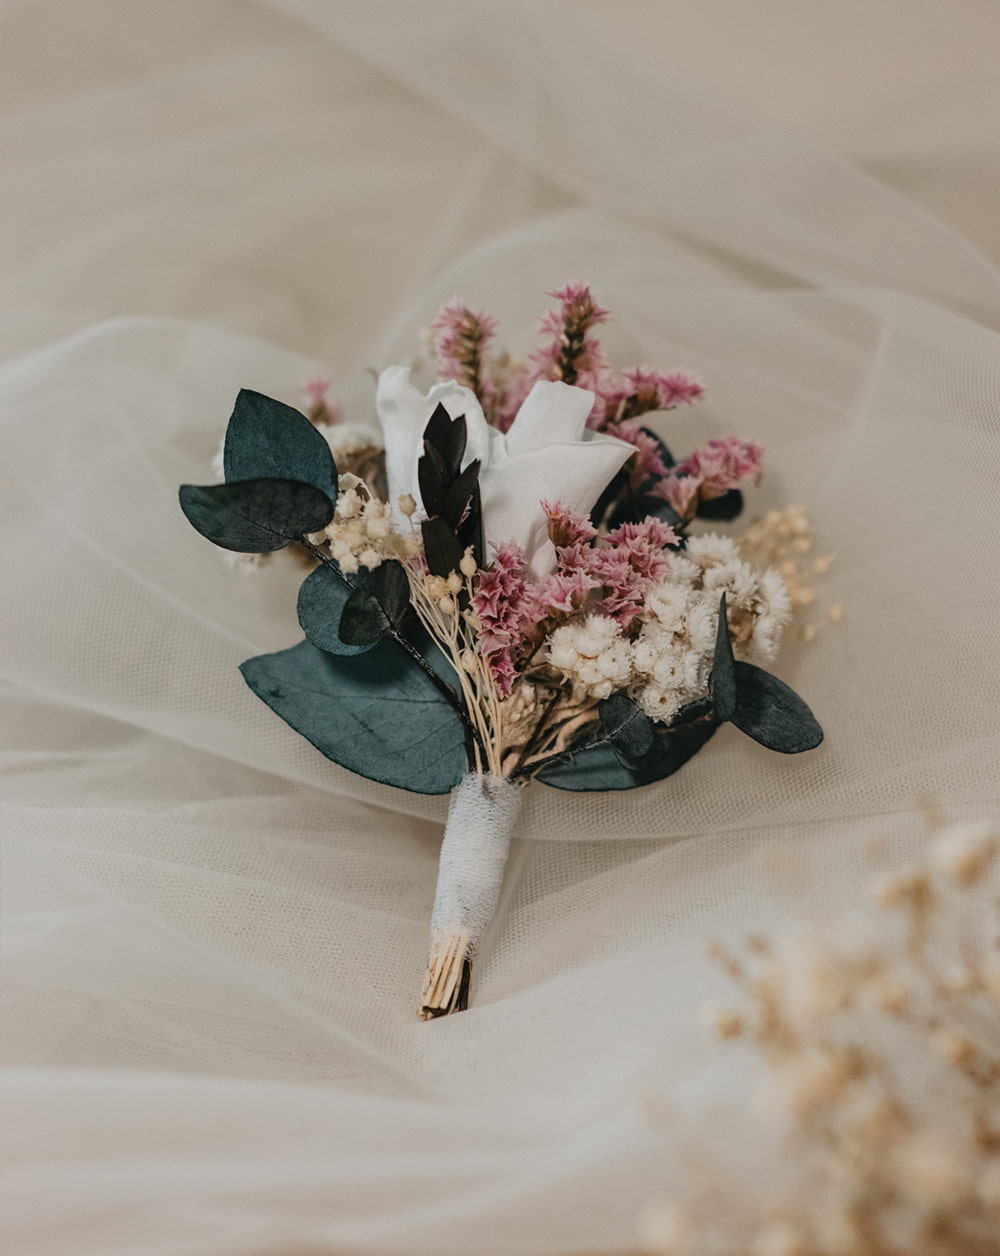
(386, 715)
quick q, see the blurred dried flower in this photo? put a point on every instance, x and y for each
(879, 1044)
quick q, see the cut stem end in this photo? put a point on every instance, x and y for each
(449, 977)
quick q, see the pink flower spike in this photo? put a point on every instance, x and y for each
(578, 303)
(572, 354)
(318, 407)
(314, 390)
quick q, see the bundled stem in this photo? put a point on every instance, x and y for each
(473, 857)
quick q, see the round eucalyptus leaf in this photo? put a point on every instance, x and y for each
(773, 714)
(321, 603)
(267, 439)
(722, 682)
(256, 516)
(377, 714)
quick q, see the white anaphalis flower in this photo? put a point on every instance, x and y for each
(593, 655)
(548, 454)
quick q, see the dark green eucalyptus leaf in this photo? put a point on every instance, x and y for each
(378, 601)
(599, 768)
(442, 548)
(322, 598)
(432, 479)
(611, 494)
(694, 710)
(256, 516)
(634, 507)
(267, 439)
(773, 714)
(631, 730)
(459, 493)
(728, 506)
(447, 437)
(376, 714)
(470, 531)
(722, 682)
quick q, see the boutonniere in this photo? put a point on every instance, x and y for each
(508, 591)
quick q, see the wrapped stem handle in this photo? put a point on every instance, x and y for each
(481, 818)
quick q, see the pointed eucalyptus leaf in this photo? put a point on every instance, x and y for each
(376, 714)
(432, 479)
(722, 682)
(610, 495)
(773, 714)
(599, 768)
(634, 507)
(378, 601)
(447, 437)
(631, 730)
(256, 516)
(470, 531)
(666, 457)
(728, 506)
(442, 548)
(322, 598)
(459, 493)
(267, 439)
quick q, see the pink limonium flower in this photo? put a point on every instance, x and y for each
(680, 491)
(562, 593)
(713, 469)
(635, 559)
(722, 464)
(647, 464)
(565, 527)
(498, 604)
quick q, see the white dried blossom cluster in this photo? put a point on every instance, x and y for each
(361, 533)
(668, 664)
(593, 655)
(672, 656)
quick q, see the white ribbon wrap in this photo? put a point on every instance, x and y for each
(473, 856)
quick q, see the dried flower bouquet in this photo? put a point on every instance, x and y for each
(508, 591)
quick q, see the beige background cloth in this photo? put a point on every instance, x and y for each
(213, 937)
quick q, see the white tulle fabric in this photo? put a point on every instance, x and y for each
(215, 937)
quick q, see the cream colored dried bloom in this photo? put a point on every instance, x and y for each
(779, 1237)
(723, 1022)
(881, 1052)
(965, 852)
(673, 653)
(593, 655)
(348, 504)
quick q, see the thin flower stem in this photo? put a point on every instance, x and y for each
(533, 740)
(535, 768)
(442, 687)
